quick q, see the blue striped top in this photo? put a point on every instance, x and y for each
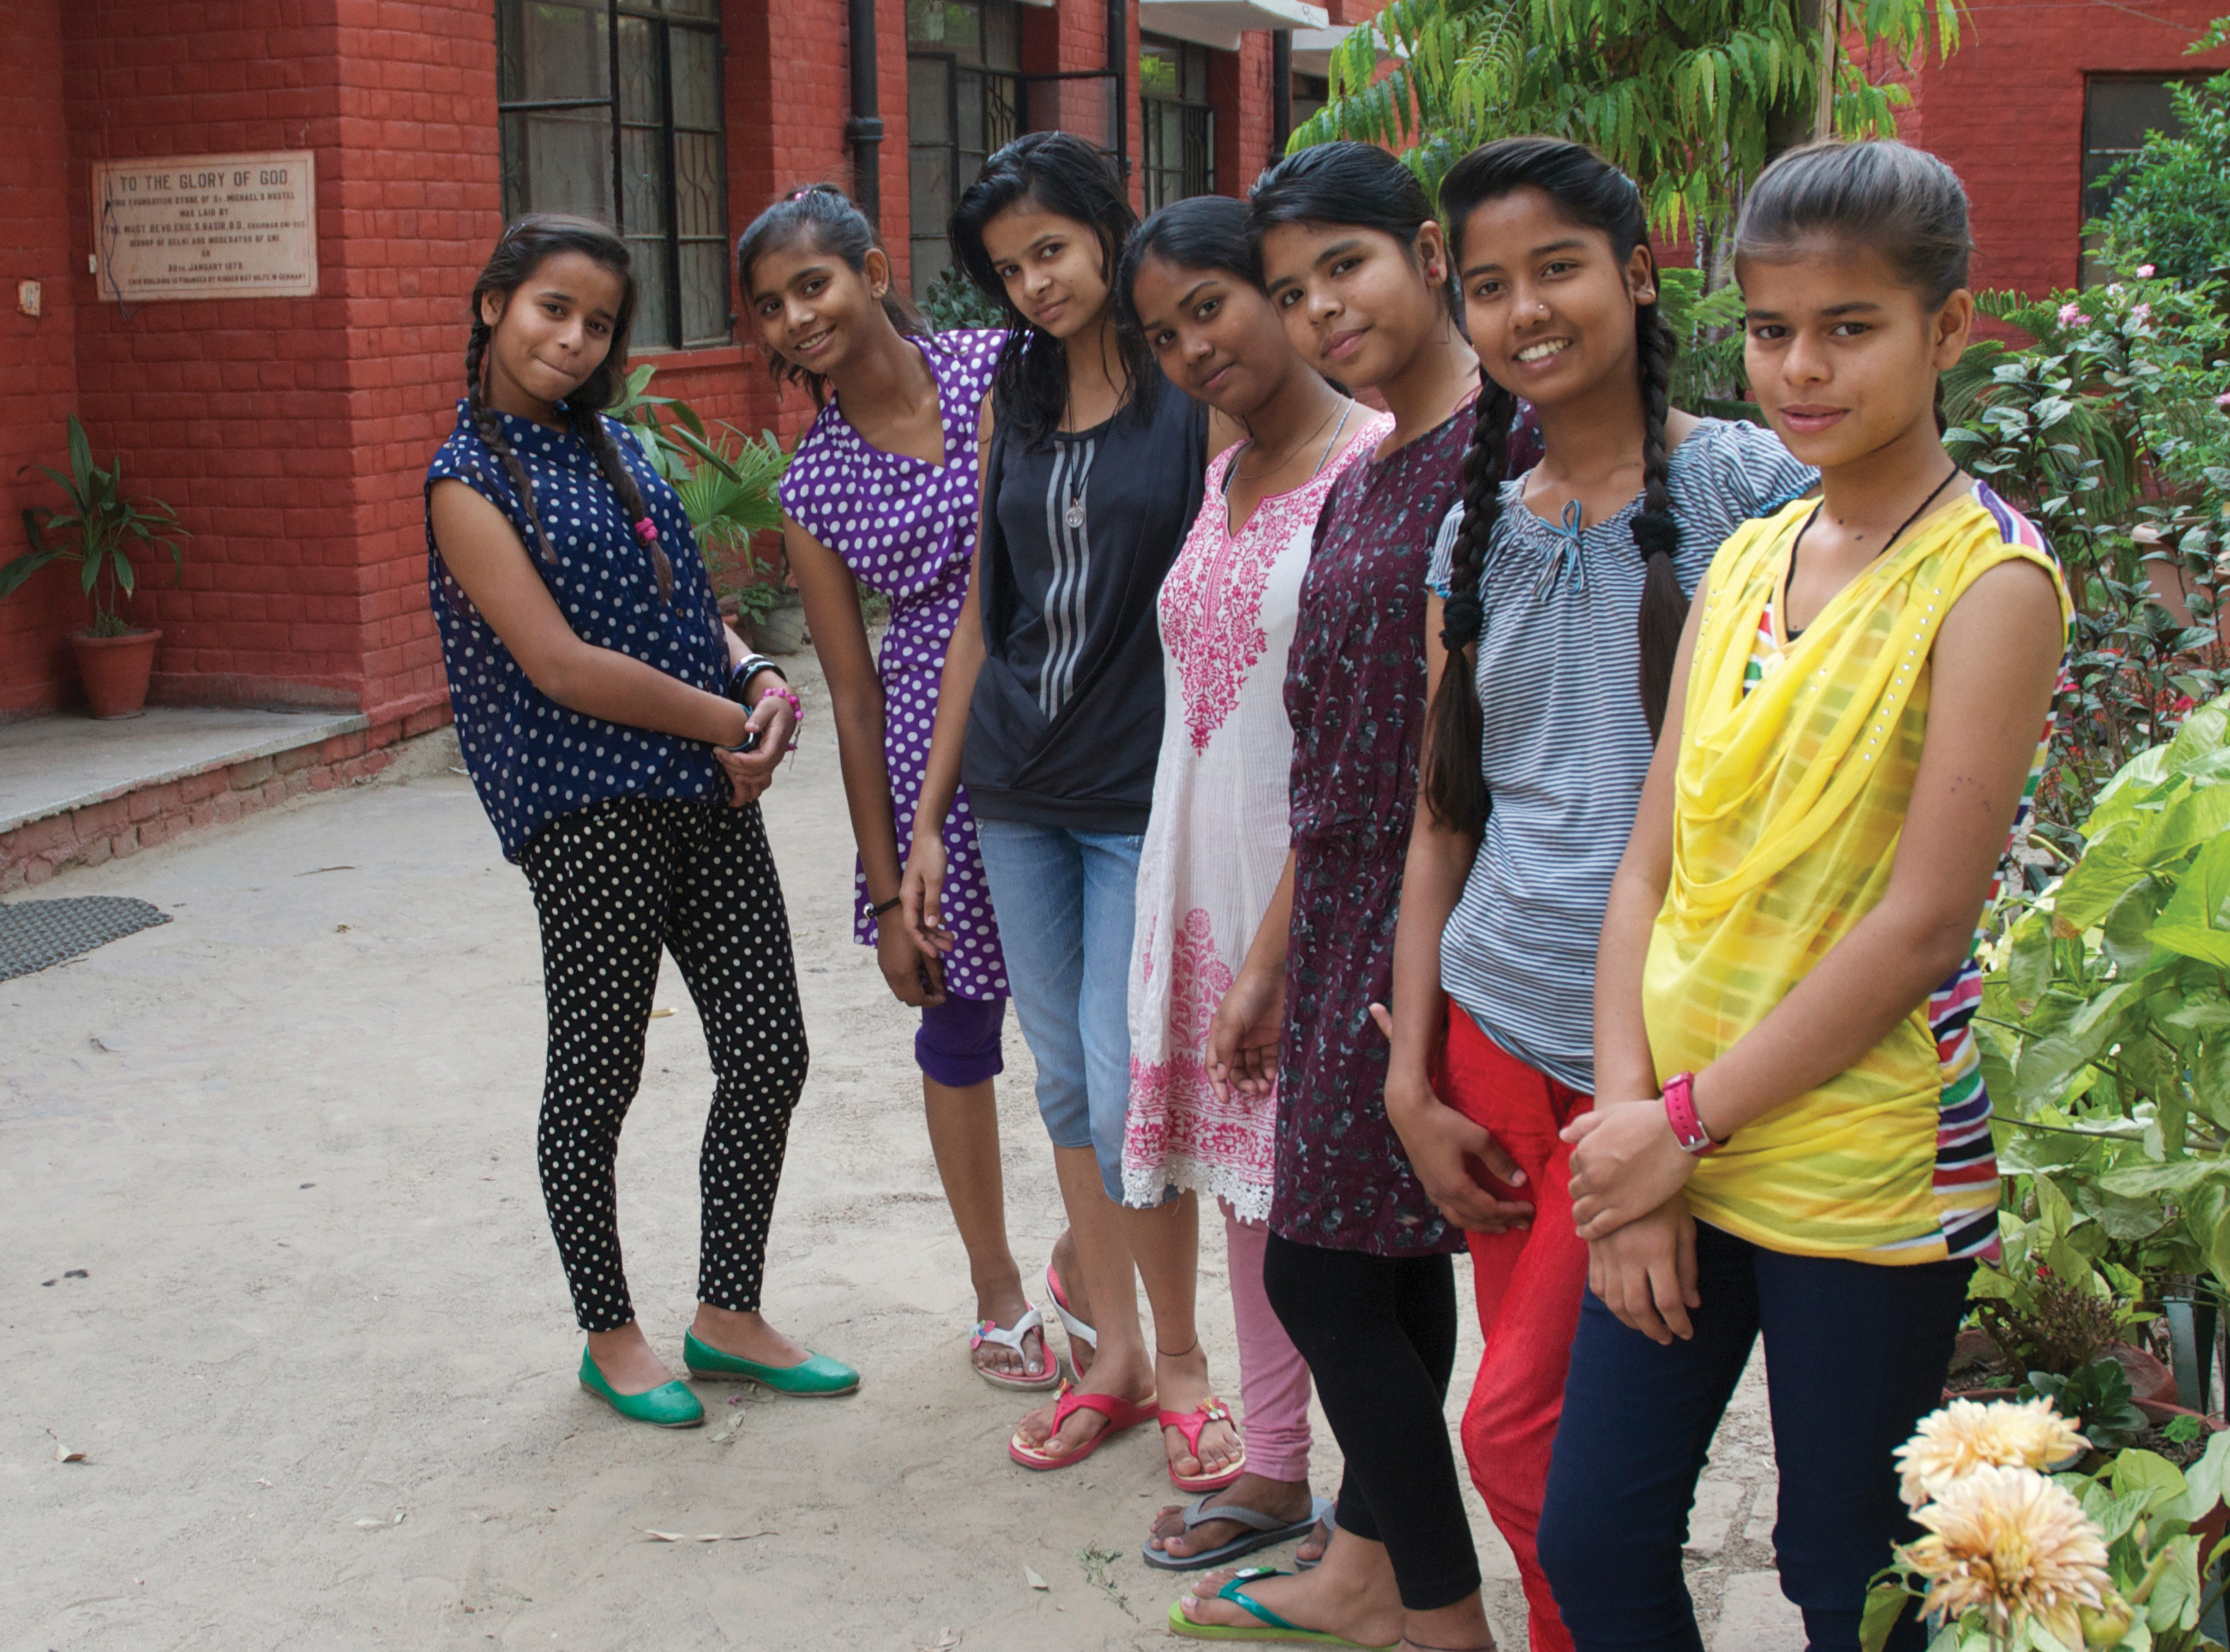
(1564, 747)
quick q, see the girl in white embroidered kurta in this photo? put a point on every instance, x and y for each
(1216, 842)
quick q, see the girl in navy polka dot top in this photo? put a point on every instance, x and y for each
(618, 735)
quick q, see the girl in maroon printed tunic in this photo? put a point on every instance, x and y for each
(1357, 1263)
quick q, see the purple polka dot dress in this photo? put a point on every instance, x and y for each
(907, 529)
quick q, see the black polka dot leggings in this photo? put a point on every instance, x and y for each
(614, 884)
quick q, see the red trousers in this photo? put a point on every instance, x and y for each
(1529, 1283)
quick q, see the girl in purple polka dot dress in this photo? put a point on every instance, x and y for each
(881, 496)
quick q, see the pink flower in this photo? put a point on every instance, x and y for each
(2223, 401)
(2146, 272)
(2142, 314)
(2183, 704)
(2071, 316)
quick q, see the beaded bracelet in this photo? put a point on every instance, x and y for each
(796, 710)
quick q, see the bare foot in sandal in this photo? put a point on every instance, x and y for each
(1182, 1381)
(996, 1357)
(1286, 1501)
(1350, 1594)
(1065, 1284)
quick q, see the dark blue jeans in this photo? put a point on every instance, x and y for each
(1855, 1355)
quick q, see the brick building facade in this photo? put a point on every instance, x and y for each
(290, 432)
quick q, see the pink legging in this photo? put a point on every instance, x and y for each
(1273, 1379)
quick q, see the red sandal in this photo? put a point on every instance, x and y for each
(1189, 1424)
(1121, 1414)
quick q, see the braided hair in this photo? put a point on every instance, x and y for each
(1593, 193)
(523, 248)
(824, 216)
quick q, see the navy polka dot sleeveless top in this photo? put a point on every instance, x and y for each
(531, 760)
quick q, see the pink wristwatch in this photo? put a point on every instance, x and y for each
(1680, 1113)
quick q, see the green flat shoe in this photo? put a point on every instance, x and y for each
(817, 1378)
(670, 1405)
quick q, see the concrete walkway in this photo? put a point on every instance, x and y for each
(278, 1266)
(52, 765)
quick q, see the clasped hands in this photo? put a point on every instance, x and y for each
(1629, 1204)
(750, 773)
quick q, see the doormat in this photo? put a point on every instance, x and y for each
(38, 934)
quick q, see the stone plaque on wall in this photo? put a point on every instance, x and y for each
(206, 226)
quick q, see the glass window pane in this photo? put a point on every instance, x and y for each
(1003, 107)
(930, 199)
(642, 91)
(710, 8)
(968, 103)
(929, 100)
(2116, 114)
(696, 68)
(642, 175)
(558, 161)
(704, 291)
(653, 321)
(1002, 46)
(924, 22)
(1157, 69)
(697, 184)
(551, 49)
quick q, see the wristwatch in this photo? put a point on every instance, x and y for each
(1680, 1113)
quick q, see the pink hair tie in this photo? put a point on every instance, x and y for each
(647, 531)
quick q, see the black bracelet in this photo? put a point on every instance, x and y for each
(878, 910)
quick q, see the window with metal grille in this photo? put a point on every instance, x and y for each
(611, 109)
(1180, 127)
(963, 100)
(2118, 112)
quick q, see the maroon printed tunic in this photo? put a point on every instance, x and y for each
(1354, 692)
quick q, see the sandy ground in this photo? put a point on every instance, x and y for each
(319, 1360)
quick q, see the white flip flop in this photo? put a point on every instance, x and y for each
(990, 1331)
(1077, 1329)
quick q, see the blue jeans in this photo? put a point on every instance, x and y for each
(1855, 1355)
(1066, 900)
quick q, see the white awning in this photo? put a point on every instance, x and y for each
(1312, 48)
(1220, 22)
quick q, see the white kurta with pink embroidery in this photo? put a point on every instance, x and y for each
(1216, 845)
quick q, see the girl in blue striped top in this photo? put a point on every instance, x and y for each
(1561, 594)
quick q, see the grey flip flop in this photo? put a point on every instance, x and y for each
(1267, 1529)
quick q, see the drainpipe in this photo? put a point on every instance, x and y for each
(864, 131)
(1281, 90)
(1119, 67)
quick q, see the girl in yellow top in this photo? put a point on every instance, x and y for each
(1790, 1139)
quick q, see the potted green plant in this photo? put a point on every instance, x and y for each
(98, 527)
(726, 481)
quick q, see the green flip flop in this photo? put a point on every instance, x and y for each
(1273, 1628)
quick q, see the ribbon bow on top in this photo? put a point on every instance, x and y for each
(1567, 557)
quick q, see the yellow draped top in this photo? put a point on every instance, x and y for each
(1789, 799)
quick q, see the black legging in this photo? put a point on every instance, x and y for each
(615, 883)
(1379, 1334)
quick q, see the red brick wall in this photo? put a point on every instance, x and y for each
(2006, 111)
(1239, 87)
(234, 410)
(39, 385)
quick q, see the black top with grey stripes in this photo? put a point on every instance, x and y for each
(1066, 720)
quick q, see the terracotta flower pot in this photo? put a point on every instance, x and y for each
(114, 670)
(2150, 1382)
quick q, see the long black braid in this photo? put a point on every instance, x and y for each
(1451, 785)
(1656, 534)
(521, 251)
(491, 428)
